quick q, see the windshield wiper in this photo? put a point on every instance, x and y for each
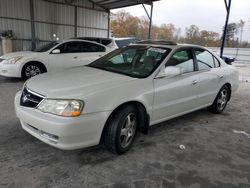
(112, 70)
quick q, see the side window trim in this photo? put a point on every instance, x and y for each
(215, 59)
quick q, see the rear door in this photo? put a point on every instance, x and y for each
(176, 95)
(90, 52)
(210, 76)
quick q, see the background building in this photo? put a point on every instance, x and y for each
(34, 22)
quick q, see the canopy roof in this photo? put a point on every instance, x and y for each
(113, 4)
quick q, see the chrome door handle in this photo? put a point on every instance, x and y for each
(194, 82)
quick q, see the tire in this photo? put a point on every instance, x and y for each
(32, 69)
(220, 101)
(121, 130)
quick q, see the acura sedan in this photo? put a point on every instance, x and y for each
(124, 92)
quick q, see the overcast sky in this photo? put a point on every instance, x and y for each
(206, 14)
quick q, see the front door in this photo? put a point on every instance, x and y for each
(176, 95)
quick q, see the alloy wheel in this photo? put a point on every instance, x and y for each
(222, 99)
(128, 130)
(32, 70)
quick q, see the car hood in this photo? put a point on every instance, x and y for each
(15, 54)
(75, 83)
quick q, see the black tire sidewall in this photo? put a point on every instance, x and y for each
(117, 123)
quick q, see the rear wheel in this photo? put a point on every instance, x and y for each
(121, 130)
(32, 69)
(220, 101)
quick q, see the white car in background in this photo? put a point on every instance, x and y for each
(112, 42)
(125, 91)
(51, 57)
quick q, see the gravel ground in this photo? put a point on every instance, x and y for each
(214, 157)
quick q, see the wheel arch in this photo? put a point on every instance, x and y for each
(230, 89)
(144, 117)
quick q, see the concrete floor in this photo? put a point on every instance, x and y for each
(214, 157)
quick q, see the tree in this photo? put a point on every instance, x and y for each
(124, 24)
(192, 34)
(230, 34)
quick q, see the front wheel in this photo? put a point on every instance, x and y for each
(220, 101)
(31, 70)
(121, 130)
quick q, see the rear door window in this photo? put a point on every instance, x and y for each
(205, 60)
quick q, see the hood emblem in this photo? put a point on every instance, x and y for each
(25, 98)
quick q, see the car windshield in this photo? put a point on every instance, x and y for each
(46, 47)
(135, 61)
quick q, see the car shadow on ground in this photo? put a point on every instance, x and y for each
(99, 153)
(10, 80)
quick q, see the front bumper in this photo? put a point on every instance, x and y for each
(62, 132)
(10, 70)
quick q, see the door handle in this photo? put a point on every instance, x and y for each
(221, 76)
(75, 57)
(194, 82)
(100, 55)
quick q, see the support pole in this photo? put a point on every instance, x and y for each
(150, 18)
(228, 6)
(150, 22)
(75, 25)
(108, 34)
(32, 25)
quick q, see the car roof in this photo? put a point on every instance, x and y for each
(165, 44)
(81, 40)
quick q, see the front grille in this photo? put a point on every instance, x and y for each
(30, 99)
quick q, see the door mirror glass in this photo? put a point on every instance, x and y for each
(56, 51)
(169, 71)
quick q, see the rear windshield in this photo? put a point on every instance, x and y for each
(124, 42)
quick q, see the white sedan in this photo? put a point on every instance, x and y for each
(52, 57)
(125, 91)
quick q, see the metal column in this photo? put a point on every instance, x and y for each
(228, 6)
(149, 17)
(108, 34)
(75, 24)
(32, 24)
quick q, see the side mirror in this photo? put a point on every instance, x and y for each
(228, 60)
(170, 71)
(56, 51)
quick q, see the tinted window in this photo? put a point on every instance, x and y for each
(182, 59)
(79, 47)
(46, 47)
(70, 47)
(90, 47)
(124, 42)
(205, 60)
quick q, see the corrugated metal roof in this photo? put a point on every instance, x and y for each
(113, 4)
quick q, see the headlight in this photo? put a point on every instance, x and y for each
(67, 108)
(13, 60)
